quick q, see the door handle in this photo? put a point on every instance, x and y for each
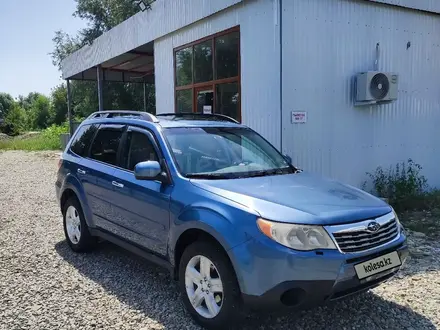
(117, 184)
(80, 171)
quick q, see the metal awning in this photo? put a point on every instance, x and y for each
(124, 51)
(136, 66)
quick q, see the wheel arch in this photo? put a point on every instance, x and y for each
(188, 237)
(72, 188)
(192, 235)
(66, 195)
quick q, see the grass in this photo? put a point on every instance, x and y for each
(48, 139)
(407, 190)
(426, 221)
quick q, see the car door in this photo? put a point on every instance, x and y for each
(142, 206)
(79, 150)
(96, 170)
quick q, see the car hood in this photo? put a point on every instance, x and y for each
(299, 198)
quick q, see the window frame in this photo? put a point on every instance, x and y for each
(150, 137)
(126, 127)
(154, 141)
(212, 84)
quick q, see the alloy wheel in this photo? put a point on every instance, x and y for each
(204, 286)
(73, 224)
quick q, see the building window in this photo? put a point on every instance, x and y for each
(184, 100)
(226, 55)
(203, 62)
(207, 75)
(227, 96)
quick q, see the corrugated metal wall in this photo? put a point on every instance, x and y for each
(325, 43)
(260, 57)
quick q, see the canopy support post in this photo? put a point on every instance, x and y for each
(145, 97)
(99, 79)
(69, 108)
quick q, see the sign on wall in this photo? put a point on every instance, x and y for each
(299, 117)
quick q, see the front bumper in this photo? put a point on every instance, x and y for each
(273, 276)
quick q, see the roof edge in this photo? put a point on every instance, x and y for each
(432, 6)
(165, 17)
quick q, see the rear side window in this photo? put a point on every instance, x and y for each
(106, 143)
(81, 143)
(138, 149)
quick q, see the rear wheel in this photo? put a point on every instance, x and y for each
(75, 227)
(209, 286)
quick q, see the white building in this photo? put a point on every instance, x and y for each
(261, 61)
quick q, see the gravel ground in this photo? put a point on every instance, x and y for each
(43, 285)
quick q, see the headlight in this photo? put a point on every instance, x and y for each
(298, 237)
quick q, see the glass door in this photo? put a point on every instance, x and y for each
(204, 100)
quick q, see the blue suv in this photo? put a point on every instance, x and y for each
(232, 219)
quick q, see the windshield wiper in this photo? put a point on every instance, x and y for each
(275, 171)
(208, 176)
(241, 175)
(265, 173)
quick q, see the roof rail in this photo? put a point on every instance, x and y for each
(124, 113)
(197, 116)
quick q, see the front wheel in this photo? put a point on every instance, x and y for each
(209, 286)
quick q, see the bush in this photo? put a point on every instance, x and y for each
(48, 139)
(403, 185)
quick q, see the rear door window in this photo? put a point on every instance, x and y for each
(106, 144)
(81, 141)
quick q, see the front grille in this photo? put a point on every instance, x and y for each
(358, 240)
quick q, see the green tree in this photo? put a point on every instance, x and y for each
(16, 121)
(101, 16)
(58, 106)
(26, 102)
(6, 104)
(40, 112)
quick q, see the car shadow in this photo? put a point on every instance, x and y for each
(151, 291)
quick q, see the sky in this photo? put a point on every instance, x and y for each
(26, 31)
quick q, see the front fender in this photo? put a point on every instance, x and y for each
(72, 183)
(220, 222)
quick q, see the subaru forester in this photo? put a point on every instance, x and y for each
(235, 222)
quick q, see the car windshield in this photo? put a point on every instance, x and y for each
(224, 153)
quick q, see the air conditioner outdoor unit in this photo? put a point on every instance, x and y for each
(376, 87)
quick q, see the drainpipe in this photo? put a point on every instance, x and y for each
(280, 24)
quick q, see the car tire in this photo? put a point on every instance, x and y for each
(75, 227)
(228, 301)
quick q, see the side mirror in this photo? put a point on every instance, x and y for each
(288, 159)
(149, 170)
